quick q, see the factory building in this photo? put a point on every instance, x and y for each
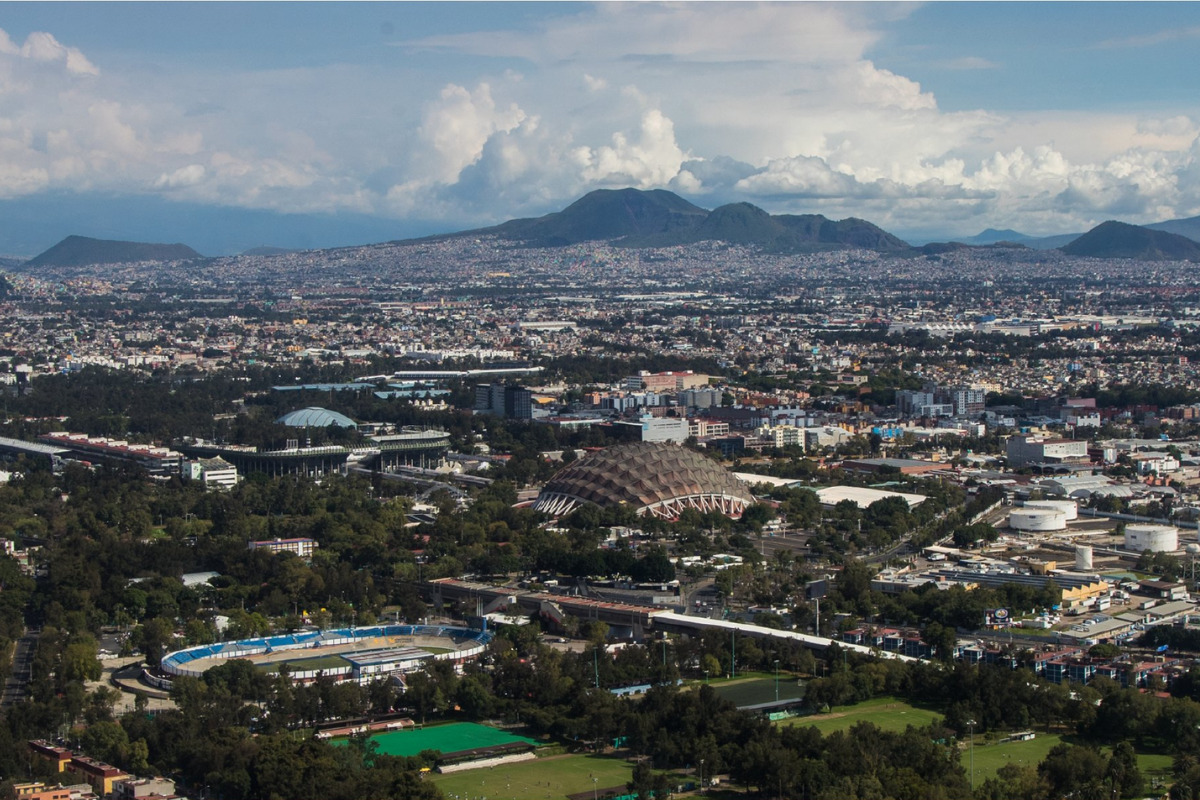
(1025, 449)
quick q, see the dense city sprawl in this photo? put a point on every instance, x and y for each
(458, 518)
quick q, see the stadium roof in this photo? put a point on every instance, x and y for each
(655, 478)
(313, 417)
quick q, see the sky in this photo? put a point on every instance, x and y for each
(231, 125)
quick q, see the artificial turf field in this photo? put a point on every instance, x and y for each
(554, 777)
(753, 691)
(449, 738)
(888, 713)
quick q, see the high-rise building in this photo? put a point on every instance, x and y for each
(514, 402)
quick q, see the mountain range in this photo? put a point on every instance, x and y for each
(659, 218)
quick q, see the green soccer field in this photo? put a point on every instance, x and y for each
(449, 738)
(753, 691)
(888, 713)
(306, 664)
(554, 777)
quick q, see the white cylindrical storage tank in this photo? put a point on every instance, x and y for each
(1156, 538)
(1068, 507)
(1083, 557)
(1037, 519)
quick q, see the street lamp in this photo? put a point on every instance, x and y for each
(701, 777)
(594, 787)
(971, 727)
(777, 680)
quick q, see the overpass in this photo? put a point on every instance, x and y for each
(671, 622)
(639, 620)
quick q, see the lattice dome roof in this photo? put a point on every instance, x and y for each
(654, 476)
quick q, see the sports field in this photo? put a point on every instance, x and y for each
(752, 691)
(554, 777)
(888, 713)
(330, 657)
(305, 664)
(449, 738)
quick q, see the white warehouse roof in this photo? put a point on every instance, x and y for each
(862, 496)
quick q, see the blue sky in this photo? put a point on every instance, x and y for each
(325, 123)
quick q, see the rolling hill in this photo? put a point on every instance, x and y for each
(658, 218)
(993, 236)
(1120, 240)
(1189, 227)
(80, 251)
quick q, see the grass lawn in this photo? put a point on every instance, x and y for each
(889, 713)
(991, 757)
(553, 777)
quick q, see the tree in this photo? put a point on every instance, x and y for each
(1123, 775)
(1074, 771)
(80, 661)
(106, 741)
(942, 639)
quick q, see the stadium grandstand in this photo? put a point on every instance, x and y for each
(358, 655)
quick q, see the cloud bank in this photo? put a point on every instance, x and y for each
(777, 104)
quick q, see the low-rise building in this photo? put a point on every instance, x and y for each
(302, 547)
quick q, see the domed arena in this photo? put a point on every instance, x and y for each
(654, 478)
(313, 417)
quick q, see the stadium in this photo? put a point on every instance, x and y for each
(346, 654)
(653, 478)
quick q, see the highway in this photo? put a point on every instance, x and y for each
(14, 687)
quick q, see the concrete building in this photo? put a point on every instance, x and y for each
(665, 381)
(657, 429)
(825, 436)
(1024, 449)
(213, 472)
(967, 401)
(702, 428)
(783, 435)
(158, 461)
(303, 547)
(925, 403)
(100, 776)
(138, 788)
(700, 398)
(513, 402)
